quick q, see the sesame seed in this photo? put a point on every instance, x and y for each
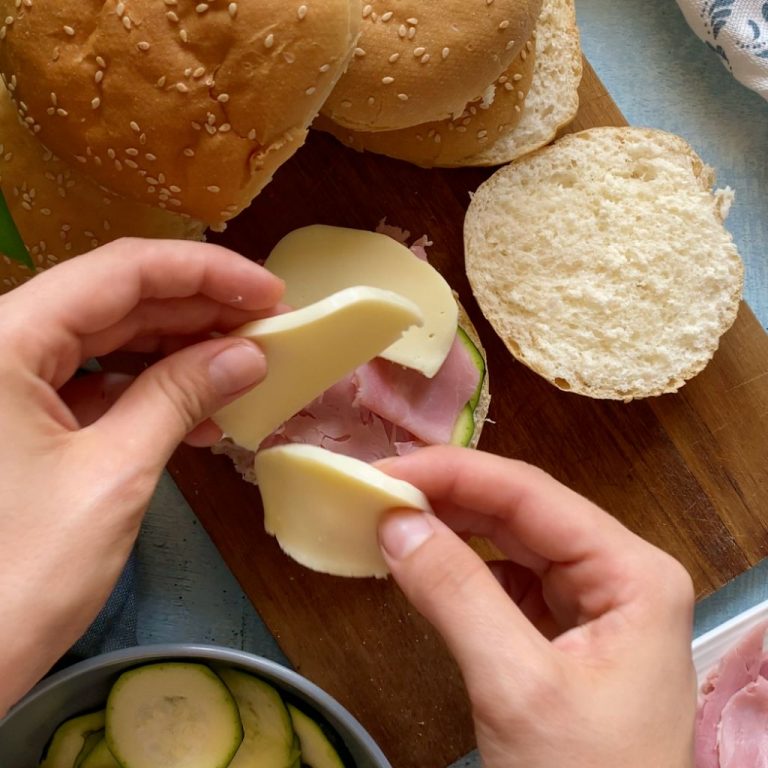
(223, 98)
(310, 90)
(199, 72)
(127, 22)
(510, 45)
(184, 36)
(523, 55)
(62, 112)
(95, 103)
(171, 16)
(394, 57)
(189, 152)
(371, 101)
(325, 68)
(346, 103)
(482, 134)
(54, 100)
(517, 108)
(359, 52)
(419, 52)
(175, 189)
(225, 128)
(385, 17)
(367, 10)
(201, 7)
(269, 40)
(517, 77)
(143, 45)
(252, 134)
(445, 53)
(149, 156)
(425, 58)
(412, 21)
(99, 76)
(509, 87)
(134, 126)
(411, 33)
(387, 80)
(182, 88)
(69, 30)
(120, 9)
(504, 24)
(232, 8)
(402, 96)
(302, 12)
(161, 82)
(213, 188)
(402, 31)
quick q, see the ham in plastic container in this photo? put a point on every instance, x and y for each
(732, 719)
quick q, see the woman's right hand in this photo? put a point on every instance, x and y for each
(576, 650)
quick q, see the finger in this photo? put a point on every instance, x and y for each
(169, 399)
(204, 435)
(598, 562)
(455, 591)
(93, 292)
(90, 397)
(160, 318)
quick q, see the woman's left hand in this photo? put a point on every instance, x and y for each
(80, 458)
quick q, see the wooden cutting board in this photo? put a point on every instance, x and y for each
(688, 471)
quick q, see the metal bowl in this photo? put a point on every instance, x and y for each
(26, 730)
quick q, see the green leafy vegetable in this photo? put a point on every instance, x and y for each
(11, 243)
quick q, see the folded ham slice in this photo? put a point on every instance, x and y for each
(427, 408)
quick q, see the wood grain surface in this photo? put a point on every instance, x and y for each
(686, 471)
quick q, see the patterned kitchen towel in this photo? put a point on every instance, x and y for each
(737, 30)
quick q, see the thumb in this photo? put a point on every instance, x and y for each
(457, 593)
(174, 395)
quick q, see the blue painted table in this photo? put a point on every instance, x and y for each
(660, 75)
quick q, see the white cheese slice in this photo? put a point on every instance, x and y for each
(324, 508)
(317, 261)
(308, 351)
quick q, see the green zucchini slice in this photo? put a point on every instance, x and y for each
(69, 738)
(316, 750)
(269, 740)
(172, 715)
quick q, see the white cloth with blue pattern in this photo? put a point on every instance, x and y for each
(737, 30)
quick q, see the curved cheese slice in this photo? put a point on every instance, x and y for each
(310, 349)
(325, 508)
(317, 261)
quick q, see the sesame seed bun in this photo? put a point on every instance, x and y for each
(419, 61)
(59, 211)
(447, 142)
(189, 106)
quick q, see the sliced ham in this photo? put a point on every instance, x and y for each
(737, 669)
(743, 731)
(333, 421)
(427, 408)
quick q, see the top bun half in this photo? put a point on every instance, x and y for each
(419, 61)
(189, 106)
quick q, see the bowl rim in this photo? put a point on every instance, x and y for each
(325, 703)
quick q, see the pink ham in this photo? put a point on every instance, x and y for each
(738, 668)
(427, 408)
(334, 422)
(743, 731)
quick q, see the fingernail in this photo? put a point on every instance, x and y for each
(238, 367)
(402, 533)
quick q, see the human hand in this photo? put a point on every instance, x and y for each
(576, 650)
(80, 459)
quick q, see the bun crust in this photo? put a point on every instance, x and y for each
(60, 212)
(553, 99)
(602, 262)
(181, 105)
(419, 61)
(446, 142)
